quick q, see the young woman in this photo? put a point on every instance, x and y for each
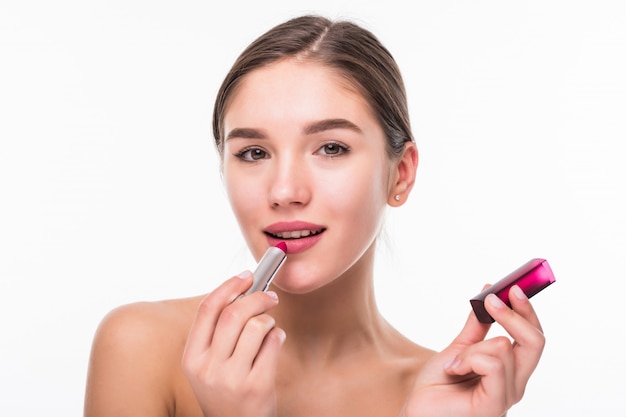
(313, 132)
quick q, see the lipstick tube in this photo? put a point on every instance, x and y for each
(267, 267)
(532, 277)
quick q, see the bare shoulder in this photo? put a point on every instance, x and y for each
(403, 358)
(409, 350)
(143, 322)
(135, 357)
(147, 329)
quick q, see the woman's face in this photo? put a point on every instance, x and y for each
(305, 163)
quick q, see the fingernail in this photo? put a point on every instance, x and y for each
(518, 293)
(273, 295)
(495, 301)
(245, 274)
(282, 335)
(452, 363)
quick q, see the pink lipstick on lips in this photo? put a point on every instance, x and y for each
(299, 235)
(268, 266)
(532, 277)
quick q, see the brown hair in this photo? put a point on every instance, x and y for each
(341, 45)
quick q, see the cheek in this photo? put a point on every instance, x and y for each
(359, 195)
(244, 196)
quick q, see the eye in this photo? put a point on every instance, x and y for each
(252, 154)
(333, 149)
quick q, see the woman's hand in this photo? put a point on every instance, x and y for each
(232, 352)
(477, 377)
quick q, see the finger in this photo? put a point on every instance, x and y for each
(266, 362)
(203, 326)
(234, 318)
(473, 331)
(251, 339)
(525, 333)
(529, 338)
(521, 304)
(493, 379)
(501, 349)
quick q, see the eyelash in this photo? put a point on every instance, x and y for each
(241, 154)
(341, 150)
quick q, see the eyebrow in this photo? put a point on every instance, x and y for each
(245, 133)
(310, 129)
(329, 124)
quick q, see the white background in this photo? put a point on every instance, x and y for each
(110, 191)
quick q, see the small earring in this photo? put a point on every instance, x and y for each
(397, 197)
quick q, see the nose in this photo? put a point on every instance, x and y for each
(290, 184)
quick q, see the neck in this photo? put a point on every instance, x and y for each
(335, 320)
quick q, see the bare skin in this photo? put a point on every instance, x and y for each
(362, 373)
(305, 154)
(371, 379)
(340, 356)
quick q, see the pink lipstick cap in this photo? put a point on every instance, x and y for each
(532, 277)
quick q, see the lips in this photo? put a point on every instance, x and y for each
(299, 236)
(296, 234)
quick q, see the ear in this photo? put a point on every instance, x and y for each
(403, 175)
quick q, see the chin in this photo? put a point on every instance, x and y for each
(298, 286)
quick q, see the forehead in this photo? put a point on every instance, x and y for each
(291, 90)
